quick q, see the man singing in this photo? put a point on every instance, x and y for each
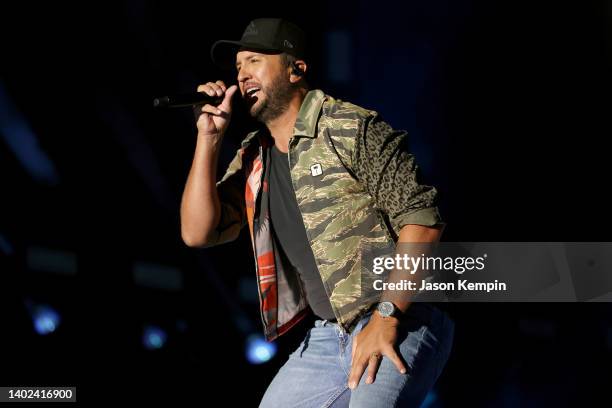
(318, 182)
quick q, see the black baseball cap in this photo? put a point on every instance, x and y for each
(273, 35)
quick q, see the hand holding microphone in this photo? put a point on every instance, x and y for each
(212, 105)
(214, 119)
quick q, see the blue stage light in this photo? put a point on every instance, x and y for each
(431, 400)
(153, 337)
(45, 319)
(258, 350)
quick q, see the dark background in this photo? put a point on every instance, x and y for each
(507, 104)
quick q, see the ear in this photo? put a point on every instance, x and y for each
(298, 70)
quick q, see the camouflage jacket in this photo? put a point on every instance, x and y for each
(355, 185)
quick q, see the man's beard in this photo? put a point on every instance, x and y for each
(278, 96)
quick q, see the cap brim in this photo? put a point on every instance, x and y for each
(223, 52)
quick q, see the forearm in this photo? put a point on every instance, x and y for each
(200, 205)
(416, 234)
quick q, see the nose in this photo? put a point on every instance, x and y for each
(243, 75)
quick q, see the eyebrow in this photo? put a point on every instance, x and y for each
(238, 63)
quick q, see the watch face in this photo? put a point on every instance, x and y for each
(386, 308)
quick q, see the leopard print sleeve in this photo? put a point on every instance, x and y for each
(382, 162)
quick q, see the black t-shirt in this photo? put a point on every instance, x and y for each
(288, 226)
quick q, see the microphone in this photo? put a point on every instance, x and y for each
(186, 100)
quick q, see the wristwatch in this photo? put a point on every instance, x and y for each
(388, 309)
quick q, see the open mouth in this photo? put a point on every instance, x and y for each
(251, 92)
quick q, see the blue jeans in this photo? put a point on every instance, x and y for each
(316, 374)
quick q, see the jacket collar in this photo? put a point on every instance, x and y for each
(306, 122)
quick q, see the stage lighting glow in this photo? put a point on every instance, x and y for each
(258, 350)
(153, 337)
(45, 319)
(431, 400)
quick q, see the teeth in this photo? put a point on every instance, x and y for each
(251, 91)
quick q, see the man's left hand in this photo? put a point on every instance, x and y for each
(377, 339)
